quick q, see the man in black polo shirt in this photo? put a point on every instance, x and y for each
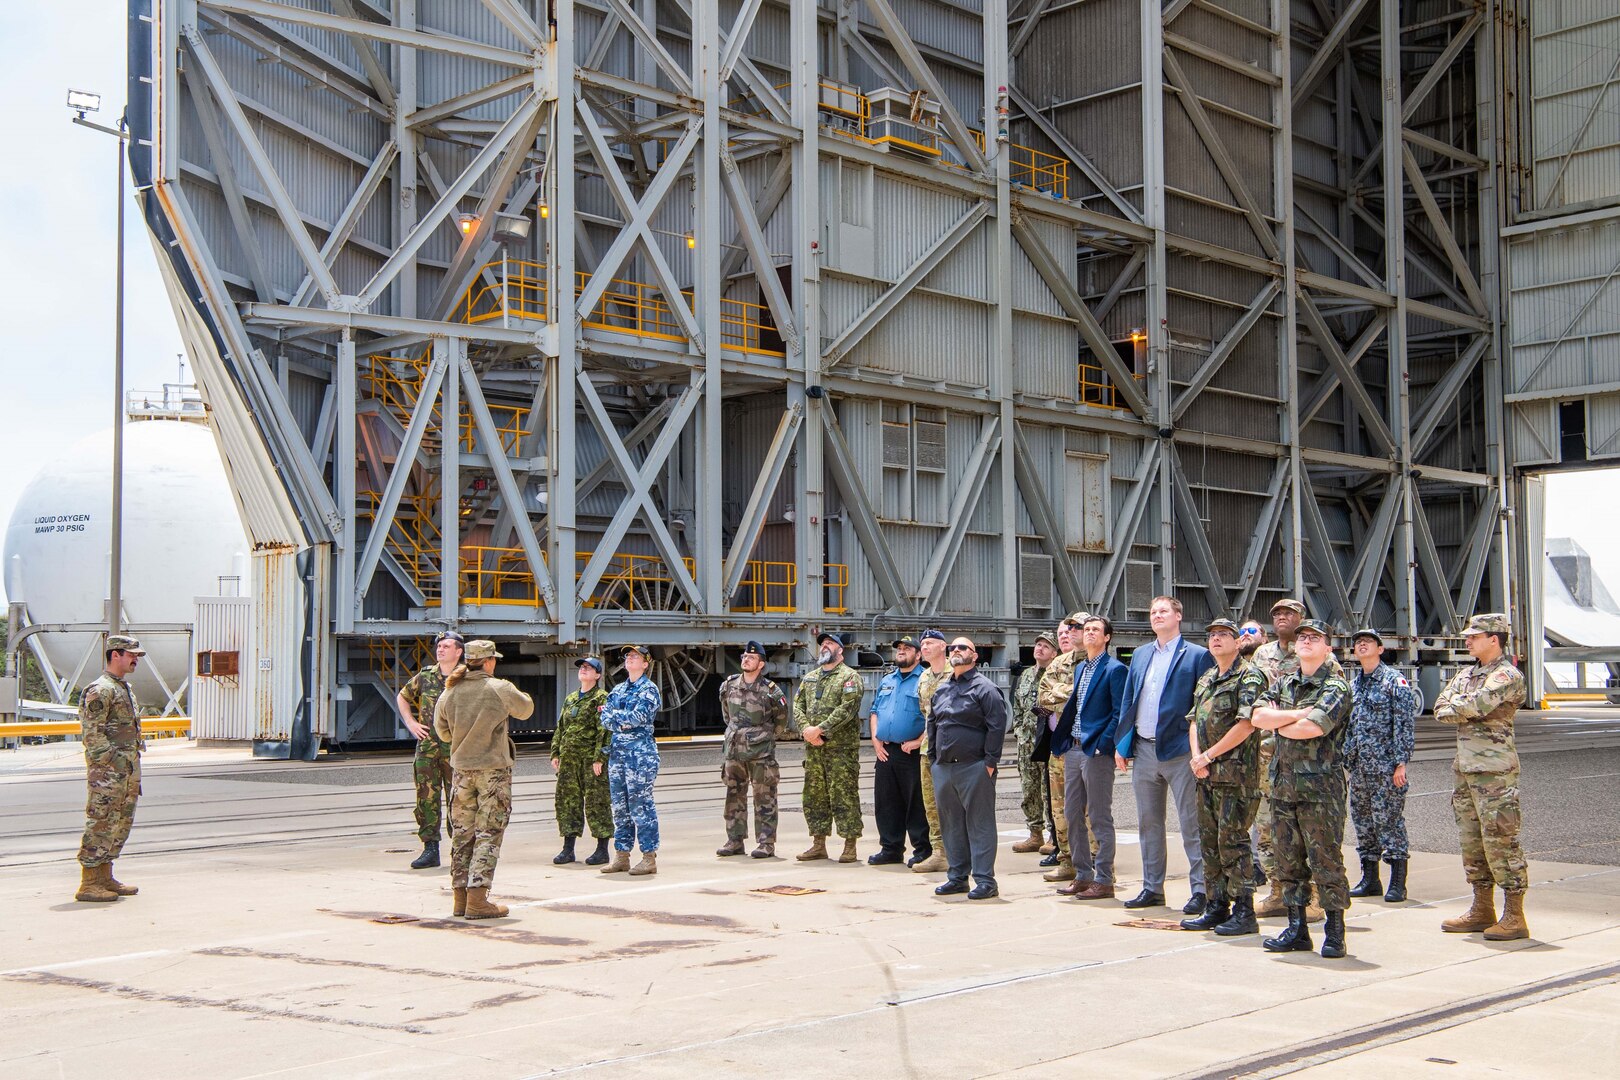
(967, 721)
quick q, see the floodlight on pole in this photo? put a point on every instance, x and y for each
(83, 101)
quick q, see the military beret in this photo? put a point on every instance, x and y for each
(907, 640)
(935, 634)
(645, 652)
(449, 635)
(124, 643)
(1291, 605)
(1367, 631)
(1222, 624)
(1493, 623)
(1315, 626)
(754, 647)
(480, 650)
(591, 661)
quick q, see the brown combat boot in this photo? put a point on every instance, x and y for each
(732, 847)
(458, 906)
(93, 888)
(1481, 914)
(479, 907)
(934, 864)
(1511, 926)
(1024, 847)
(117, 886)
(1272, 905)
(620, 863)
(816, 850)
(647, 865)
(1313, 910)
(1048, 848)
(849, 854)
(1063, 871)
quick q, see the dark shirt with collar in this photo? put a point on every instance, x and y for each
(967, 719)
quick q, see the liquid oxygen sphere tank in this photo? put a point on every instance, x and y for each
(182, 534)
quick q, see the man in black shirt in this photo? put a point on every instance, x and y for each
(967, 721)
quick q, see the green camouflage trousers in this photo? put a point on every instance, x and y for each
(1033, 784)
(113, 782)
(763, 776)
(1487, 809)
(582, 796)
(831, 790)
(1310, 847)
(1266, 848)
(930, 808)
(431, 769)
(1225, 812)
(479, 812)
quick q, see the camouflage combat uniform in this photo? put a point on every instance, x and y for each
(111, 729)
(1481, 700)
(1055, 689)
(1229, 795)
(629, 714)
(431, 765)
(579, 743)
(1308, 790)
(1383, 719)
(1032, 775)
(756, 716)
(473, 718)
(1275, 659)
(831, 700)
(927, 683)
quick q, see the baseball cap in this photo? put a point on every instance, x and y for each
(907, 640)
(1493, 623)
(1367, 631)
(1290, 605)
(124, 643)
(590, 660)
(645, 652)
(1315, 626)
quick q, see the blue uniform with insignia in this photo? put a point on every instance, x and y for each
(1383, 721)
(628, 714)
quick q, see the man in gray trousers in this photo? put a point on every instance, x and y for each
(1085, 738)
(967, 722)
(1151, 733)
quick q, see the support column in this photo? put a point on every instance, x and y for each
(1157, 328)
(1003, 376)
(709, 482)
(344, 404)
(809, 548)
(451, 352)
(562, 482)
(1397, 404)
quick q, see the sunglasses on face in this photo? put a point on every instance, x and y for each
(1249, 632)
(960, 648)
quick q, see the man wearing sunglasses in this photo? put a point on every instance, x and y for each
(967, 724)
(1250, 637)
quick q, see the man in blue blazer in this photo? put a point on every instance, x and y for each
(1151, 735)
(1085, 738)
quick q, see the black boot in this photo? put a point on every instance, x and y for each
(1296, 937)
(1216, 911)
(600, 855)
(1259, 877)
(1242, 920)
(1333, 936)
(1369, 885)
(566, 855)
(1397, 882)
(429, 857)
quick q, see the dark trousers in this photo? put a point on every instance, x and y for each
(897, 802)
(966, 796)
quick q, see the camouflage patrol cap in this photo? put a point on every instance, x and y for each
(1286, 604)
(122, 643)
(1369, 632)
(1050, 639)
(1493, 623)
(480, 650)
(591, 662)
(1222, 624)
(1078, 618)
(1315, 626)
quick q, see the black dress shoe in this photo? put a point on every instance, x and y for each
(1146, 898)
(951, 888)
(1195, 906)
(1050, 860)
(983, 892)
(884, 858)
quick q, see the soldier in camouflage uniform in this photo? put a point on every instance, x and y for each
(1032, 775)
(1055, 689)
(1481, 700)
(756, 715)
(1310, 712)
(431, 765)
(933, 657)
(474, 716)
(1383, 726)
(826, 711)
(579, 753)
(110, 727)
(629, 714)
(1227, 763)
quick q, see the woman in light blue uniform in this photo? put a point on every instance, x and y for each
(631, 708)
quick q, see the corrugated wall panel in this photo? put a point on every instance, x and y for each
(1574, 98)
(1564, 325)
(222, 709)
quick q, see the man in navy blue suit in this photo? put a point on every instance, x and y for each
(1085, 738)
(1151, 734)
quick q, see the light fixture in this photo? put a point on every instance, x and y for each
(691, 241)
(545, 211)
(466, 223)
(83, 101)
(512, 227)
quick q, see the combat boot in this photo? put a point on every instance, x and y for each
(1242, 920)
(935, 863)
(732, 847)
(1216, 911)
(1333, 936)
(1397, 882)
(566, 855)
(647, 865)
(765, 850)
(1481, 914)
(429, 857)
(1024, 847)
(479, 907)
(1272, 904)
(1369, 885)
(458, 902)
(849, 854)
(93, 888)
(1063, 871)
(1313, 909)
(816, 850)
(1296, 937)
(600, 855)
(620, 863)
(1511, 927)
(118, 886)
(1049, 847)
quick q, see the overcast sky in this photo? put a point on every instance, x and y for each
(57, 230)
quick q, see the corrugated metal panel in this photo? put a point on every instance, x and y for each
(220, 708)
(278, 598)
(1603, 426)
(1044, 352)
(1564, 325)
(1574, 51)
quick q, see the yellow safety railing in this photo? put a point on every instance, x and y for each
(398, 391)
(397, 659)
(413, 536)
(151, 727)
(833, 588)
(766, 586)
(1097, 388)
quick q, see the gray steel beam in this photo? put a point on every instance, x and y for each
(1224, 349)
(1045, 520)
(966, 494)
(900, 39)
(343, 228)
(404, 464)
(393, 35)
(1349, 381)
(879, 558)
(759, 499)
(1191, 523)
(1320, 551)
(1428, 560)
(1130, 520)
(1265, 534)
(453, 353)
